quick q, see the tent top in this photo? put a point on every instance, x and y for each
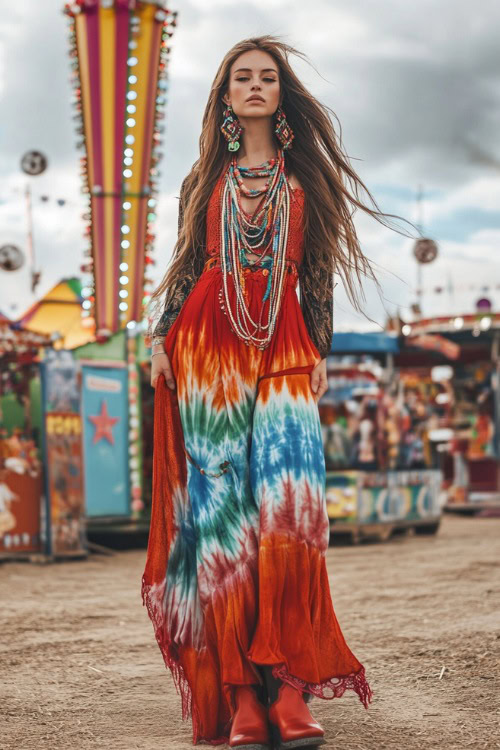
(59, 311)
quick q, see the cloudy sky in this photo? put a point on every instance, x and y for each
(416, 88)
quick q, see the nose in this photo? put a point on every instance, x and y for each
(256, 85)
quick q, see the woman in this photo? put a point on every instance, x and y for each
(235, 579)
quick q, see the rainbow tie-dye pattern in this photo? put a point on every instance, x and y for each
(235, 574)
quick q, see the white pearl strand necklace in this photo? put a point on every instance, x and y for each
(243, 317)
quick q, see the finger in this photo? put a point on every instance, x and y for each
(167, 372)
(314, 381)
(322, 387)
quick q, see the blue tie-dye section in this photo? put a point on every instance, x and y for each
(272, 445)
(224, 505)
(181, 570)
(286, 443)
(182, 600)
(220, 512)
(289, 442)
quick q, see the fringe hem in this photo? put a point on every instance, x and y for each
(171, 659)
(334, 687)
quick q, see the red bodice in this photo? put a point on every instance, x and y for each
(295, 244)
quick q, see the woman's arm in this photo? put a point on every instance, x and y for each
(316, 301)
(176, 297)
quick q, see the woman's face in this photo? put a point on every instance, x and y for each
(253, 74)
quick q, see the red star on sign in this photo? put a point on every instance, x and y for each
(103, 424)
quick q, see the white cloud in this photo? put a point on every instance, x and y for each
(481, 193)
(414, 86)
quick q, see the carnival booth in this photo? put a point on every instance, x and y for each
(461, 354)
(58, 314)
(117, 430)
(72, 452)
(41, 492)
(21, 477)
(379, 480)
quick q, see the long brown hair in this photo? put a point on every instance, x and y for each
(316, 159)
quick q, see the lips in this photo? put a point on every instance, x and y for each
(255, 99)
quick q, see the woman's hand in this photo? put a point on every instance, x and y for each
(319, 381)
(160, 365)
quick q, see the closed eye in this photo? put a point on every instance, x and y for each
(245, 78)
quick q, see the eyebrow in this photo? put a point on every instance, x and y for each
(264, 70)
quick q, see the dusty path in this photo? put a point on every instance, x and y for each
(80, 667)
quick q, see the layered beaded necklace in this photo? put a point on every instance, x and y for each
(242, 234)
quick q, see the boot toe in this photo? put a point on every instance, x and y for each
(249, 728)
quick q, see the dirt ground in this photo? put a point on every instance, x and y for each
(80, 667)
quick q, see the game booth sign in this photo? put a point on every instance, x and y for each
(63, 459)
(380, 480)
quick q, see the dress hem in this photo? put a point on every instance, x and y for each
(333, 687)
(172, 662)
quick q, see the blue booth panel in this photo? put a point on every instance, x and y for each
(105, 441)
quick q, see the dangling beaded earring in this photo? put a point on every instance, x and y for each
(231, 129)
(284, 132)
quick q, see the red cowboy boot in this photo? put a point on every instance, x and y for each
(249, 727)
(291, 722)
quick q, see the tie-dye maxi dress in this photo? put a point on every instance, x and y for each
(235, 574)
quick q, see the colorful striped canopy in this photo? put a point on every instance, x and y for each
(119, 49)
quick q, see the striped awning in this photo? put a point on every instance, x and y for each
(119, 51)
